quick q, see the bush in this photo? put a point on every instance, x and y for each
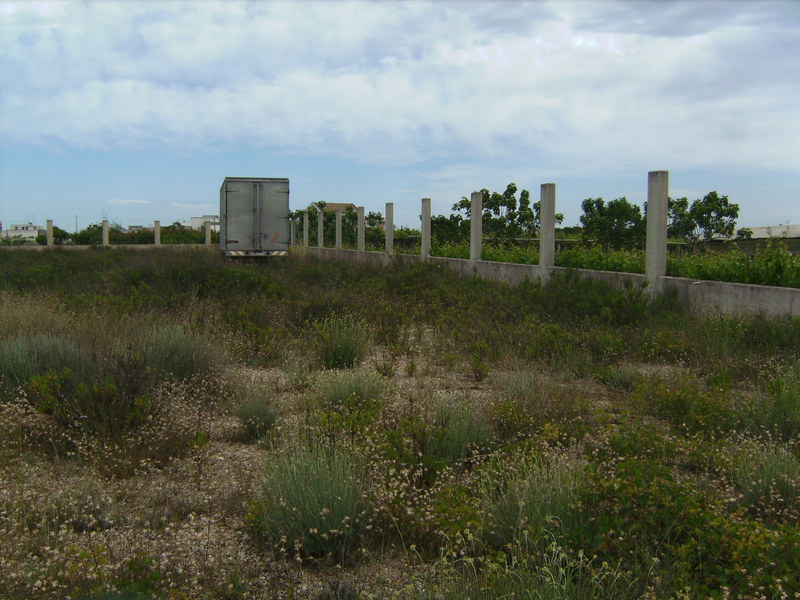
(172, 350)
(341, 341)
(462, 431)
(24, 357)
(350, 401)
(529, 495)
(768, 477)
(778, 409)
(258, 415)
(312, 502)
(528, 401)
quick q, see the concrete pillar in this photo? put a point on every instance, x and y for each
(388, 226)
(305, 229)
(49, 232)
(320, 227)
(105, 232)
(338, 230)
(207, 227)
(361, 228)
(426, 228)
(157, 233)
(547, 228)
(657, 212)
(475, 226)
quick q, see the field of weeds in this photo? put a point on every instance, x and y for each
(173, 426)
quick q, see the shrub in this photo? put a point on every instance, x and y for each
(101, 409)
(172, 350)
(258, 415)
(24, 357)
(684, 404)
(312, 502)
(768, 477)
(555, 575)
(462, 431)
(778, 409)
(528, 495)
(618, 378)
(349, 400)
(341, 341)
(529, 400)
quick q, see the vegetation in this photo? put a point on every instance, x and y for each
(172, 426)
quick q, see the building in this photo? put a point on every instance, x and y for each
(334, 206)
(27, 232)
(197, 223)
(780, 231)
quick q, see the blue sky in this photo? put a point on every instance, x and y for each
(136, 111)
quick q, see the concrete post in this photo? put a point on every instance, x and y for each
(49, 232)
(388, 227)
(657, 212)
(207, 227)
(157, 233)
(361, 227)
(320, 227)
(338, 230)
(305, 229)
(105, 232)
(547, 229)
(475, 226)
(292, 231)
(426, 228)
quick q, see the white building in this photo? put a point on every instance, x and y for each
(27, 232)
(789, 231)
(197, 223)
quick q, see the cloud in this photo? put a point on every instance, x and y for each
(131, 202)
(580, 88)
(192, 205)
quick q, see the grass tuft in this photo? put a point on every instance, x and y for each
(312, 502)
(341, 341)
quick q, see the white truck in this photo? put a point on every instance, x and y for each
(254, 216)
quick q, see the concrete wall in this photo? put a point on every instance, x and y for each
(734, 299)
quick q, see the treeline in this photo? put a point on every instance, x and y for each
(93, 236)
(616, 224)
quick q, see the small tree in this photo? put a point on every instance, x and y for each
(618, 224)
(706, 218)
(505, 218)
(60, 237)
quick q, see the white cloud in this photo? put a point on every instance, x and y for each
(128, 202)
(192, 205)
(579, 87)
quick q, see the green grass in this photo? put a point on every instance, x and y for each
(529, 496)
(656, 448)
(341, 341)
(312, 502)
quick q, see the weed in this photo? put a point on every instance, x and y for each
(341, 341)
(768, 477)
(258, 415)
(528, 495)
(461, 431)
(312, 502)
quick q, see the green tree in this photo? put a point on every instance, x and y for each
(618, 224)
(504, 217)
(60, 237)
(706, 218)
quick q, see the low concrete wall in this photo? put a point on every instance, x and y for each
(734, 299)
(111, 246)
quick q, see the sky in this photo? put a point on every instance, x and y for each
(137, 111)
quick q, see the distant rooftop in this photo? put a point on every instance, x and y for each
(791, 231)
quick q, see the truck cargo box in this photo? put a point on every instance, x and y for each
(254, 216)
